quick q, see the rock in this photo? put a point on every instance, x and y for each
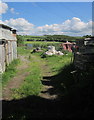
(60, 53)
(48, 53)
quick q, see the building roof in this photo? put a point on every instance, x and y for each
(6, 33)
(67, 43)
(8, 27)
(5, 26)
(90, 38)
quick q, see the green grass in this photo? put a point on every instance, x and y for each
(43, 44)
(32, 84)
(56, 62)
(23, 51)
(60, 68)
(39, 42)
(10, 72)
(75, 90)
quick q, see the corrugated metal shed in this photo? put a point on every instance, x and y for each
(8, 46)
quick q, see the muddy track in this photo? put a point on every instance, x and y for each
(16, 81)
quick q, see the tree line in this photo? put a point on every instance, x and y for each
(53, 38)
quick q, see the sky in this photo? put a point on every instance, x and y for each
(47, 0)
(39, 18)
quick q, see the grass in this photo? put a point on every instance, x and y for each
(39, 42)
(43, 44)
(60, 68)
(10, 72)
(56, 62)
(32, 84)
(75, 89)
(23, 51)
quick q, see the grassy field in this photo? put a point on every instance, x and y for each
(43, 44)
(23, 51)
(32, 84)
(40, 42)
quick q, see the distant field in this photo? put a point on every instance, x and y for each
(39, 42)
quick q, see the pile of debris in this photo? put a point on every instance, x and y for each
(38, 49)
(53, 51)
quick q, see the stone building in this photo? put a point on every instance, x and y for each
(8, 46)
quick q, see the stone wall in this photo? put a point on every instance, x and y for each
(84, 56)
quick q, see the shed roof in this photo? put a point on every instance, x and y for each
(68, 43)
(5, 26)
(90, 38)
(6, 33)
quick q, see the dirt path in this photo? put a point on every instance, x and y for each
(21, 75)
(45, 92)
(46, 72)
(18, 79)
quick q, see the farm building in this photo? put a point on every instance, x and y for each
(8, 46)
(68, 46)
(84, 54)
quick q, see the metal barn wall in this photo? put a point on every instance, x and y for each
(12, 51)
(8, 53)
(2, 58)
(14, 48)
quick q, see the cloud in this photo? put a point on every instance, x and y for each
(22, 25)
(1, 22)
(3, 8)
(13, 11)
(71, 27)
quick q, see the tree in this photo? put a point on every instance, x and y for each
(20, 40)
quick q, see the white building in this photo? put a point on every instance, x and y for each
(8, 46)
